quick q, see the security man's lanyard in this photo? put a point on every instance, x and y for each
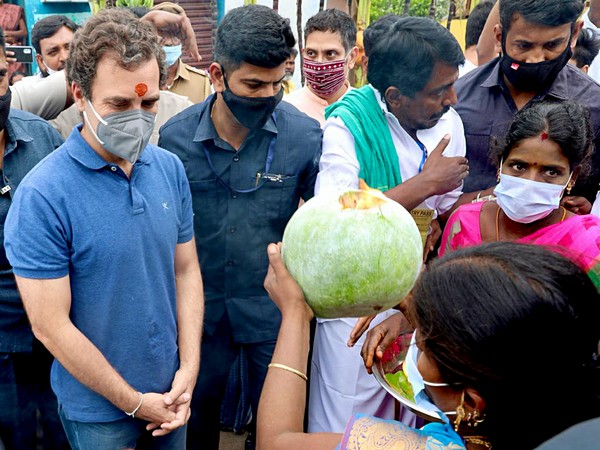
(424, 150)
(265, 176)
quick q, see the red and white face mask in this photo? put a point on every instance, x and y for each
(325, 78)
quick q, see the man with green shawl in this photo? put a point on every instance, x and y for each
(400, 135)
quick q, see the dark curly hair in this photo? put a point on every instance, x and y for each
(116, 33)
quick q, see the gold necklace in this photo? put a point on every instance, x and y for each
(498, 220)
(477, 440)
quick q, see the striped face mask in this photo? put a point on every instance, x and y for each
(325, 78)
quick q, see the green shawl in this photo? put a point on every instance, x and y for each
(375, 151)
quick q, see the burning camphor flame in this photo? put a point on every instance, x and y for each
(365, 198)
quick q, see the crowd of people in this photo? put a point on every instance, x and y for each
(143, 202)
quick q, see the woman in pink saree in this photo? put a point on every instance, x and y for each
(12, 21)
(547, 148)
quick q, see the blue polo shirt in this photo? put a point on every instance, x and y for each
(28, 140)
(75, 214)
(233, 228)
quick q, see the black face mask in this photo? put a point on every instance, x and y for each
(251, 112)
(5, 108)
(531, 77)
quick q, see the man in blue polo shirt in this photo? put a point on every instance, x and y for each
(249, 159)
(100, 238)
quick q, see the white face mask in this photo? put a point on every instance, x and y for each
(526, 201)
(48, 69)
(418, 383)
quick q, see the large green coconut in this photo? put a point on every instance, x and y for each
(353, 254)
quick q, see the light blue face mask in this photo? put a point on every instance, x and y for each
(172, 53)
(418, 383)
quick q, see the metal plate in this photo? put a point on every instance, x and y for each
(393, 358)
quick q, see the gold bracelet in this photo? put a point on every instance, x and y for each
(289, 369)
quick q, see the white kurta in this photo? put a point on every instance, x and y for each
(467, 67)
(594, 70)
(340, 385)
(339, 168)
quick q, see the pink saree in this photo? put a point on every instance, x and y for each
(577, 237)
(10, 17)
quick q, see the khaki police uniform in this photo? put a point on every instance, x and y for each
(191, 83)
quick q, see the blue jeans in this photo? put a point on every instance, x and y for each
(218, 355)
(122, 434)
(25, 391)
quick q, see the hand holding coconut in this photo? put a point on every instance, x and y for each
(281, 287)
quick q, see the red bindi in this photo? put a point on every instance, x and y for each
(141, 89)
(544, 136)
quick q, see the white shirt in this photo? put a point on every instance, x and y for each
(596, 205)
(594, 70)
(44, 97)
(339, 167)
(466, 68)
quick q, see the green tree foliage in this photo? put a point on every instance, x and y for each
(132, 3)
(416, 8)
(97, 5)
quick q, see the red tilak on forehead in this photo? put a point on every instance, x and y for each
(544, 136)
(141, 89)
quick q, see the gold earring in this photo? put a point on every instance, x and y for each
(569, 190)
(460, 412)
(475, 419)
(498, 178)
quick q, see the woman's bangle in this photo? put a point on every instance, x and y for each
(132, 413)
(289, 369)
